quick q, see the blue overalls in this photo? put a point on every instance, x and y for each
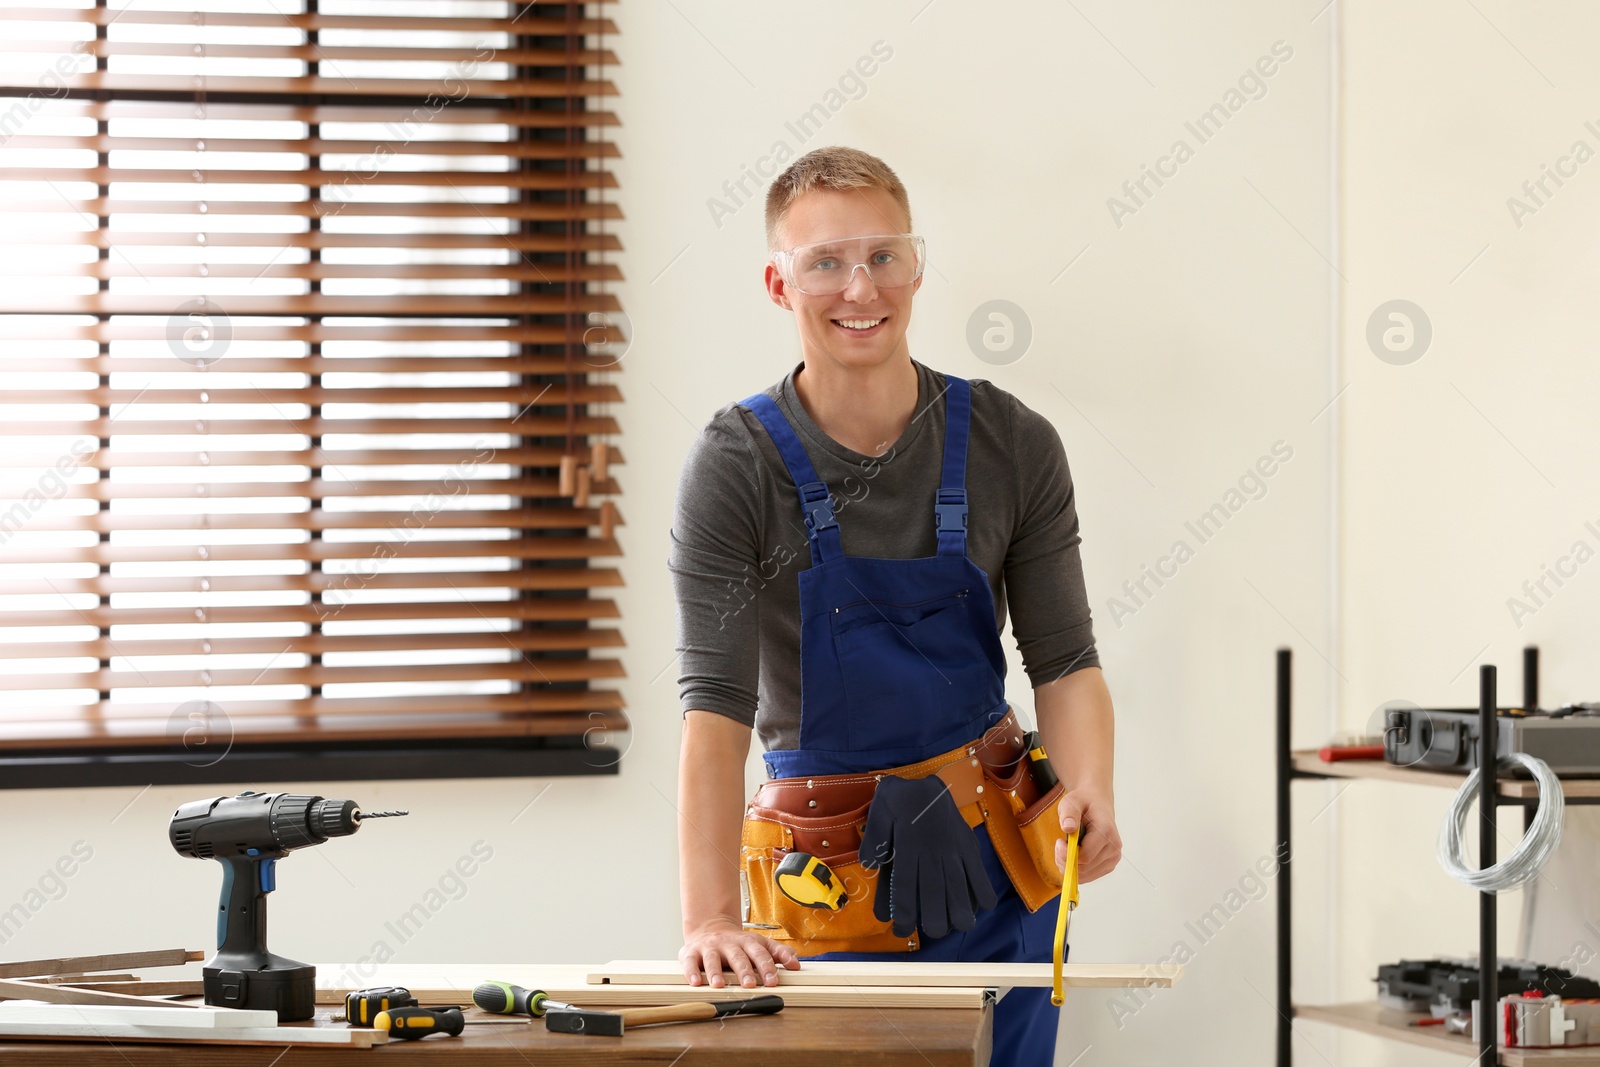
(900, 660)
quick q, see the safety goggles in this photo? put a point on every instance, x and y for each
(822, 269)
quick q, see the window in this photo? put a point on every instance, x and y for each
(306, 391)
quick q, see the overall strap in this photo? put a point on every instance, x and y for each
(950, 508)
(815, 501)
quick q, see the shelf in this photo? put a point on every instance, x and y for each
(1372, 1018)
(1307, 761)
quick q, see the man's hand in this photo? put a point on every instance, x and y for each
(1100, 845)
(723, 944)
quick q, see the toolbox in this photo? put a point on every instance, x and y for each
(1568, 739)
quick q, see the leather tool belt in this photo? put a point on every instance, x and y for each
(824, 816)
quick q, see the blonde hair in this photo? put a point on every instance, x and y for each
(834, 167)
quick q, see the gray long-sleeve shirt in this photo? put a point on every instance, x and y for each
(738, 542)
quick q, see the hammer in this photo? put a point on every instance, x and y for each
(569, 1020)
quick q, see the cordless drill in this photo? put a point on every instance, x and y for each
(248, 834)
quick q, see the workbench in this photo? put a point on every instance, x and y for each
(794, 1037)
(835, 1013)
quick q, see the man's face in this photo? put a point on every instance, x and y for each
(830, 215)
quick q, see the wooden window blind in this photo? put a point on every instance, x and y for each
(306, 403)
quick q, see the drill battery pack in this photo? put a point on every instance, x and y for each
(1568, 739)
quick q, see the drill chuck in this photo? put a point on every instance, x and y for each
(334, 818)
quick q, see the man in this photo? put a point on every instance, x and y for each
(872, 440)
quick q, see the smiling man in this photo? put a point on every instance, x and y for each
(844, 547)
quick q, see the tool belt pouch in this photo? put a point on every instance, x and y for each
(771, 833)
(992, 784)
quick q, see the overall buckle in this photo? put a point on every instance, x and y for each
(815, 501)
(950, 510)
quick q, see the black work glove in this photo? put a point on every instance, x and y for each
(932, 875)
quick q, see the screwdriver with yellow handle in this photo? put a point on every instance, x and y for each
(1064, 908)
(412, 1022)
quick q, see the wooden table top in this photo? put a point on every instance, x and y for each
(794, 1037)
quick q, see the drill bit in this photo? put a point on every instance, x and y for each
(364, 815)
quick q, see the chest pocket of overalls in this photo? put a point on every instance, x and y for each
(915, 655)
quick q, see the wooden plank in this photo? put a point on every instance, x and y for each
(13, 989)
(453, 984)
(115, 961)
(348, 1037)
(1516, 788)
(141, 988)
(914, 973)
(204, 1018)
(80, 979)
(1372, 1018)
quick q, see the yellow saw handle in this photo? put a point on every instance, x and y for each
(1064, 905)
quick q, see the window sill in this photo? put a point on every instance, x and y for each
(529, 757)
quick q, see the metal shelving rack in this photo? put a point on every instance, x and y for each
(1494, 791)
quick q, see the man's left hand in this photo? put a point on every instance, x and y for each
(1100, 845)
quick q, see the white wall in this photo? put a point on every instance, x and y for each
(1172, 354)
(1467, 471)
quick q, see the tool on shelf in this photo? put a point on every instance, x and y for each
(1538, 844)
(1533, 1020)
(413, 1023)
(362, 1006)
(1448, 986)
(1568, 739)
(1349, 747)
(612, 1023)
(1065, 906)
(248, 834)
(808, 881)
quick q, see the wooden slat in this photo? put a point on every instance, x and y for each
(532, 610)
(543, 640)
(453, 983)
(314, 489)
(529, 24)
(13, 989)
(224, 393)
(21, 325)
(318, 146)
(511, 242)
(107, 1034)
(366, 85)
(523, 670)
(855, 974)
(320, 582)
(306, 365)
(313, 721)
(561, 706)
(549, 57)
(219, 176)
(315, 304)
(406, 209)
(121, 424)
(168, 957)
(466, 112)
(105, 552)
(516, 270)
(150, 987)
(549, 518)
